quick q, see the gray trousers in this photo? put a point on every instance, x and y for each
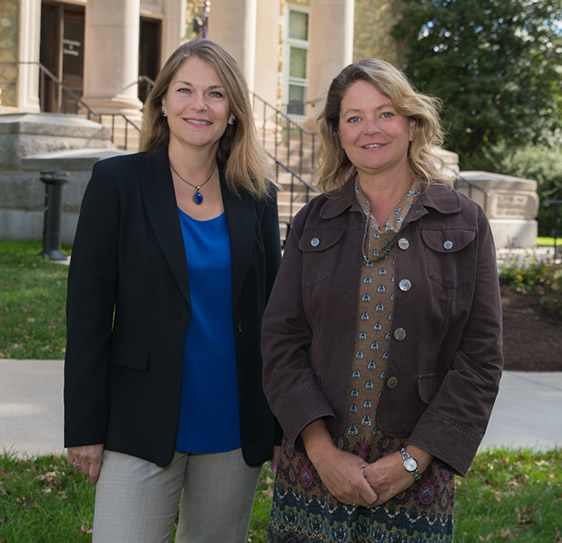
(137, 501)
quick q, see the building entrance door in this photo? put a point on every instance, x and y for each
(62, 53)
(149, 54)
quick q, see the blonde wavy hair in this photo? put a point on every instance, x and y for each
(245, 161)
(335, 168)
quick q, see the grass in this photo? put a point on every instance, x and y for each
(511, 495)
(549, 242)
(32, 299)
(508, 496)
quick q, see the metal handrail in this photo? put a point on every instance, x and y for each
(278, 163)
(471, 185)
(292, 190)
(284, 125)
(62, 90)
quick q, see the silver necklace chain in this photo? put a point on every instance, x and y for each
(197, 197)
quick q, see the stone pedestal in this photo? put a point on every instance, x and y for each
(511, 204)
(31, 143)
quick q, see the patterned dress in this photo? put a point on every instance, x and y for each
(303, 510)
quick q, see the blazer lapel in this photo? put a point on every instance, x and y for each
(240, 218)
(162, 212)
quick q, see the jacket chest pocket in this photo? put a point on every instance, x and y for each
(451, 256)
(319, 250)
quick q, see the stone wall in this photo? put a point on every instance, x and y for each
(511, 205)
(8, 51)
(32, 143)
(374, 21)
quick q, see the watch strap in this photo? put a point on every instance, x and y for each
(407, 456)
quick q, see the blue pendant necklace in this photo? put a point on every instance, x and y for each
(197, 197)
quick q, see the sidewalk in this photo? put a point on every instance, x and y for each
(527, 412)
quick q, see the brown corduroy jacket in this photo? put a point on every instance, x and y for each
(443, 373)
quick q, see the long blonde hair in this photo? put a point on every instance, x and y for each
(246, 163)
(334, 167)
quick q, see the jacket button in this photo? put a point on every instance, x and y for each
(448, 244)
(239, 328)
(405, 285)
(315, 242)
(400, 334)
(392, 382)
(403, 243)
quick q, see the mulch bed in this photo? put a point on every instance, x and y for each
(532, 340)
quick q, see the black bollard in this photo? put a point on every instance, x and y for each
(54, 182)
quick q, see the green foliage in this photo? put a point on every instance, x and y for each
(541, 278)
(495, 65)
(32, 301)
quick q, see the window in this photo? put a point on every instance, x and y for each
(296, 59)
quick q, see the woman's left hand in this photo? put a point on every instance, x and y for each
(387, 475)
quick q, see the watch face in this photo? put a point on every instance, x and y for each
(410, 464)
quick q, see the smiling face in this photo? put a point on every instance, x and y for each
(373, 135)
(196, 106)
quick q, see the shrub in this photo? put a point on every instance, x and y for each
(540, 278)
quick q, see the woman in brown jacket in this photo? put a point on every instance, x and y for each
(382, 337)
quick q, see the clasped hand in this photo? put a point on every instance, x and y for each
(343, 475)
(387, 477)
(353, 481)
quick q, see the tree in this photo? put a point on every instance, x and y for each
(495, 64)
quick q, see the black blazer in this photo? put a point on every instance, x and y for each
(128, 310)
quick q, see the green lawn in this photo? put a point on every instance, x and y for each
(549, 242)
(507, 496)
(32, 299)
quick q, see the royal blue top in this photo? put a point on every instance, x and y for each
(209, 416)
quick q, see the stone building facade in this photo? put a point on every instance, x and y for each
(288, 50)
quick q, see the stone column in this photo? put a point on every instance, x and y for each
(111, 63)
(232, 24)
(267, 52)
(28, 51)
(173, 27)
(331, 47)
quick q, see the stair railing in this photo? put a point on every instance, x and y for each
(289, 137)
(70, 102)
(471, 186)
(296, 181)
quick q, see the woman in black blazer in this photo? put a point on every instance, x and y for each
(174, 258)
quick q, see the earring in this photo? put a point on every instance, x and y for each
(164, 114)
(232, 120)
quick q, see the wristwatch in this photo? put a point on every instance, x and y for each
(410, 464)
